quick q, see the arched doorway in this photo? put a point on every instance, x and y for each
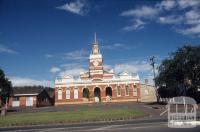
(97, 94)
(86, 93)
(108, 94)
(108, 91)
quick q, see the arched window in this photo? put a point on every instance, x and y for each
(127, 90)
(67, 93)
(135, 90)
(118, 91)
(60, 94)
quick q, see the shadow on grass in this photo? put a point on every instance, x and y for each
(156, 103)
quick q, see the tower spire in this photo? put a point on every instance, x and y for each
(95, 38)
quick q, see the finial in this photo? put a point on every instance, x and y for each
(95, 38)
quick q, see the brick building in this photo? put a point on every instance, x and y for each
(29, 97)
(97, 84)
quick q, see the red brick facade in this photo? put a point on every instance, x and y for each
(91, 99)
(22, 101)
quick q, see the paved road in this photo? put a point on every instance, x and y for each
(111, 127)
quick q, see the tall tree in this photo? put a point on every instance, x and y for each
(5, 91)
(181, 65)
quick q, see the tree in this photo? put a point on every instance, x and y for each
(5, 91)
(184, 64)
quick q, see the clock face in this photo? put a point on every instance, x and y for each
(95, 63)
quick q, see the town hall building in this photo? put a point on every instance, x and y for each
(97, 84)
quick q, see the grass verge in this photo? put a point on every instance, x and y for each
(81, 115)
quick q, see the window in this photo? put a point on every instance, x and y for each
(76, 93)
(118, 91)
(29, 101)
(60, 94)
(127, 90)
(68, 93)
(15, 102)
(134, 90)
(15, 98)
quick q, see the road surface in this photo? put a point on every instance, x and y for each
(159, 125)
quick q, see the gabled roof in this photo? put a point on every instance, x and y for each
(27, 90)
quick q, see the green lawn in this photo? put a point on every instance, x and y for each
(81, 115)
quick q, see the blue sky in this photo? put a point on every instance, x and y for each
(42, 40)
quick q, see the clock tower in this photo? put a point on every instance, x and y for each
(95, 61)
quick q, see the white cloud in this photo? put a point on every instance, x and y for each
(144, 11)
(4, 49)
(115, 46)
(54, 70)
(71, 69)
(182, 15)
(107, 67)
(49, 55)
(166, 4)
(137, 24)
(20, 81)
(133, 67)
(72, 55)
(188, 3)
(195, 30)
(69, 65)
(192, 14)
(192, 22)
(138, 16)
(171, 19)
(78, 7)
(192, 17)
(74, 72)
(77, 55)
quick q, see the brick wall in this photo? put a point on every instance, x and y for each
(91, 88)
(22, 101)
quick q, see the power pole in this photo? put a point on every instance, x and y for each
(152, 59)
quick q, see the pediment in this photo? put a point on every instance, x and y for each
(97, 80)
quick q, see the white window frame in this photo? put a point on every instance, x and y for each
(59, 94)
(15, 101)
(75, 93)
(127, 90)
(118, 91)
(29, 101)
(68, 93)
